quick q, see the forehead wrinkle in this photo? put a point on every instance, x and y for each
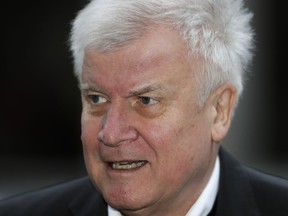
(148, 58)
(146, 89)
(150, 61)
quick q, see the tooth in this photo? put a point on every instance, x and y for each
(126, 165)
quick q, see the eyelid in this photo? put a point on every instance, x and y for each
(152, 108)
(155, 100)
(94, 92)
(90, 93)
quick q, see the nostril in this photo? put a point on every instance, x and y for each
(100, 136)
(117, 127)
(117, 137)
(109, 137)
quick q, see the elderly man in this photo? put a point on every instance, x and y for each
(159, 81)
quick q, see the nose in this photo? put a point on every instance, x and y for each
(117, 127)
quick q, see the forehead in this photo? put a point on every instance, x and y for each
(159, 52)
(159, 41)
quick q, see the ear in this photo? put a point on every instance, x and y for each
(224, 100)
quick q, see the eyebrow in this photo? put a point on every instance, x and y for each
(144, 90)
(87, 86)
(140, 91)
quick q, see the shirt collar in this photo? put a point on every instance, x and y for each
(113, 212)
(205, 201)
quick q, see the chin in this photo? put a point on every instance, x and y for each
(126, 202)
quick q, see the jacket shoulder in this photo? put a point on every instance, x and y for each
(58, 199)
(246, 191)
(271, 192)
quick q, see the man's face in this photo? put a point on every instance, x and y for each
(147, 145)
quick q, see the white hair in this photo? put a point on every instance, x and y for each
(218, 30)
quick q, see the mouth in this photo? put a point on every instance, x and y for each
(127, 165)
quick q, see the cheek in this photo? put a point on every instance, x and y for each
(91, 146)
(178, 140)
(175, 153)
(89, 132)
(171, 142)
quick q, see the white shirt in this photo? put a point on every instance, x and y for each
(205, 201)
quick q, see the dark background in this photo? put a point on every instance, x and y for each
(40, 102)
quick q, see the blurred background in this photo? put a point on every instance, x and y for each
(40, 105)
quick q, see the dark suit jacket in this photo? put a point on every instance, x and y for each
(242, 192)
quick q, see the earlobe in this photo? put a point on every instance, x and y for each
(223, 105)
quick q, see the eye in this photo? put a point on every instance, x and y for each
(96, 104)
(97, 99)
(147, 100)
(149, 107)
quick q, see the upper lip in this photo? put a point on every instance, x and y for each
(123, 161)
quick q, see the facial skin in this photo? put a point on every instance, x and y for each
(140, 110)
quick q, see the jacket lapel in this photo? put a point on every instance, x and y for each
(235, 195)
